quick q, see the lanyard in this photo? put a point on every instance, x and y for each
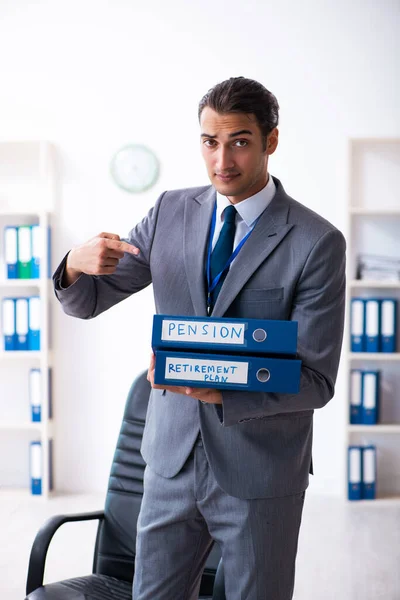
(213, 284)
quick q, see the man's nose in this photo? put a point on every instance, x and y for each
(224, 160)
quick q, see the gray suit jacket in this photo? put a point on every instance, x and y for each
(291, 267)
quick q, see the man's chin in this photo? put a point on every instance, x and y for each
(230, 188)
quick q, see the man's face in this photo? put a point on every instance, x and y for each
(232, 147)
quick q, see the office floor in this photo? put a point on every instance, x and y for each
(346, 552)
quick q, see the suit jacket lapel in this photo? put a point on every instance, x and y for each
(270, 230)
(198, 213)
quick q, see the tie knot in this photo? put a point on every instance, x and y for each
(230, 214)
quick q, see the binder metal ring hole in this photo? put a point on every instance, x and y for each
(263, 375)
(259, 335)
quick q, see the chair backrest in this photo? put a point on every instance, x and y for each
(116, 539)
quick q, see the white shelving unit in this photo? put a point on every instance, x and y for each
(374, 228)
(27, 197)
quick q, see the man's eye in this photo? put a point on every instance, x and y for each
(241, 143)
(209, 143)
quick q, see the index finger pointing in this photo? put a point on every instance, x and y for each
(123, 247)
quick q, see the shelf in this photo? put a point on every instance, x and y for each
(12, 283)
(13, 212)
(22, 426)
(379, 428)
(21, 354)
(375, 212)
(389, 500)
(364, 283)
(383, 356)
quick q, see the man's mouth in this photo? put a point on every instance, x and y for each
(226, 178)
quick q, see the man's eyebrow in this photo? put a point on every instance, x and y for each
(231, 135)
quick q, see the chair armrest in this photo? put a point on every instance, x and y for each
(42, 541)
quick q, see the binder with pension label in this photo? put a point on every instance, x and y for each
(357, 325)
(11, 251)
(8, 324)
(356, 393)
(222, 371)
(199, 334)
(388, 324)
(370, 397)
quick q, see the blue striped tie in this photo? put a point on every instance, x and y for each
(223, 250)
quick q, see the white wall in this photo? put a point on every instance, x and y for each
(92, 76)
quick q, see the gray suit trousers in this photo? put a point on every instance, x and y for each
(180, 517)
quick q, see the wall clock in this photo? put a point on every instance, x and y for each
(134, 168)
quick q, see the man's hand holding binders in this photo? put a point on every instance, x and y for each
(205, 395)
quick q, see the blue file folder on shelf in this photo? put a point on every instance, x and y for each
(11, 251)
(35, 395)
(354, 472)
(370, 397)
(357, 325)
(22, 320)
(36, 467)
(372, 325)
(222, 371)
(38, 261)
(34, 323)
(388, 324)
(8, 324)
(369, 473)
(224, 335)
(356, 395)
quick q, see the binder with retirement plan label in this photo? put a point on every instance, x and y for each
(223, 371)
(208, 334)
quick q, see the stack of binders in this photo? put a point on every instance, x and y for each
(364, 397)
(373, 324)
(362, 472)
(237, 354)
(20, 323)
(24, 254)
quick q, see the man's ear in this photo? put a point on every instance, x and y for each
(272, 141)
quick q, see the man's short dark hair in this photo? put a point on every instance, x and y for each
(239, 94)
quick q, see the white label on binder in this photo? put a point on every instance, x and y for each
(355, 465)
(369, 465)
(10, 240)
(21, 307)
(8, 317)
(34, 313)
(210, 332)
(372, 318)
(36, 461)
(369, 390)
(355, 393)
(357, 317)
(37, 241)
(206, 370)
(388, 317)
(35, 387)
(24, 244)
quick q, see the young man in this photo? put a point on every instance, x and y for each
(227, 466)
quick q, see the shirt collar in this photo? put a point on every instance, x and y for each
(251, 208)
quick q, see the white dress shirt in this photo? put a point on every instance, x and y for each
(247, 211)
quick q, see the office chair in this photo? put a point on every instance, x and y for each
(114, 552)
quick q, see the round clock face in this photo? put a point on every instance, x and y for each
(134, 168)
